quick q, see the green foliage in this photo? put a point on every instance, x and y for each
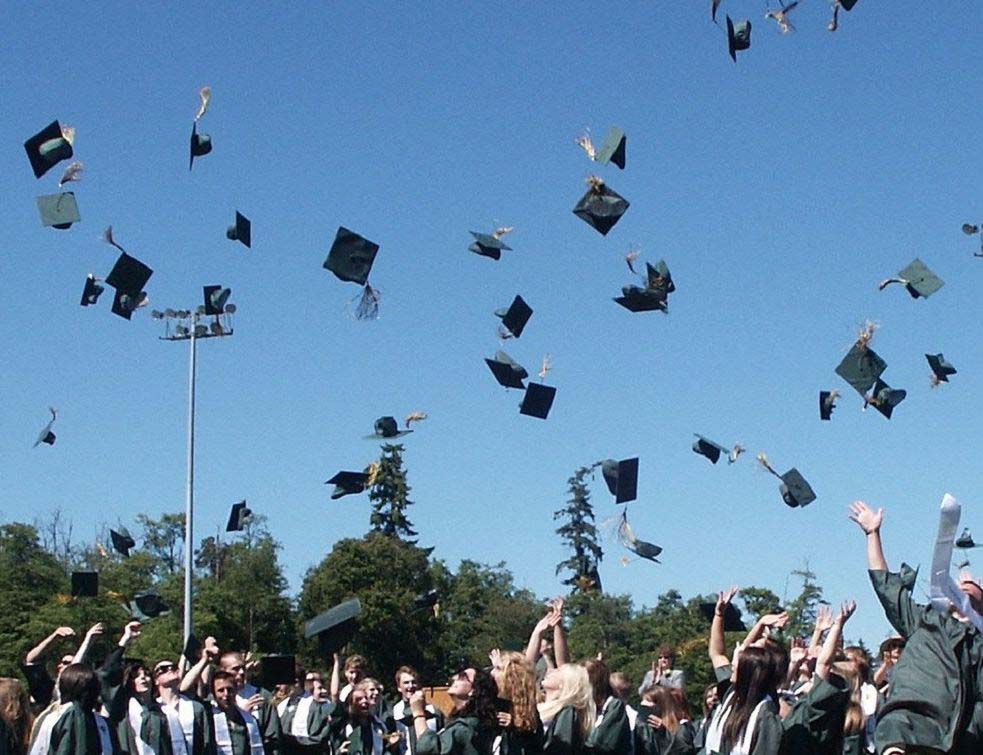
(164, 538)
(579, 533)
(390, 495)
(601, 624)
(802, 609)
(759, 601)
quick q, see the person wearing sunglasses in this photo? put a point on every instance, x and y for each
(174, 724)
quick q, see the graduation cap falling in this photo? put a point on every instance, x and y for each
(514, 318)
(239, 517)
(611, 151)
(85, 584)
(538, 399)
(640, 548)
(387, 427)
(201, 144)
(965, 540)
(600, 207)
(72, 173)
(277, 669)
(146, 606)
(129, 276)
(352, 483)
(846, 5)
(507, 371)
(827, 402)
(335, 627)
(350, 258)
(490, 244)
(241, 231)
(59, 210)
(122, 541)
(654, 295)
(621, 478)
(192, 649)
(216, 298)
(47, 436)
(974, 230)
(917, 278)
(796, 492)
(884, 398)
(941, 369)
(92, 290)
(732, 616)
(713, 451)
(738, 37)
(49, 146)
(861, 367)
(780, 16)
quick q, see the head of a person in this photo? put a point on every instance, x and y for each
(407, 681)
(620, 685)
(354, 669)
(233, 663)
(569, 685)
(373, 690)
(166, 675)
(224, 689)
(666, 656)
(63, 663)
(665, 704)
(15, 710)
(319, 690)
(480, 699)
(760, 670)
(137, 679)
(858, 658)
(891, 649)
(516, 681)
(711, 696)
(78, 683)
(600, 676)
(682, 704)
(359, 705)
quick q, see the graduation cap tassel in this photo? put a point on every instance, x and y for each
(503, 230)
(834, 22)
(72, 173)
(68, 134)
(630, 260)
(367, 307)
(595, 182)
(866, 334)
(763, 461)
(888, 281)
(547, 366)
(585, 143)
(107, 236)
(735, 453)
(206, 97)
(415, 417)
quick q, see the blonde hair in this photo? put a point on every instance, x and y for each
(576, 692)
(519, 687)
(15, 709)
(855, 720)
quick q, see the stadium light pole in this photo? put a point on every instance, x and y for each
(190, 328)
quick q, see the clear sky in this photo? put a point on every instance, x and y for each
(779, 190)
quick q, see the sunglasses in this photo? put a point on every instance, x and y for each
(165, 669)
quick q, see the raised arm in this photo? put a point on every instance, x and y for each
(718, 647)
(535, 638)
(560, 651)
(870, 522)
(94, 631)
(336, 679)
(824, 663)
(824, 622)
(189, 682)
(37, 652)
(765, 625)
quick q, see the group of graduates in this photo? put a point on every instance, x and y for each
(772, 695)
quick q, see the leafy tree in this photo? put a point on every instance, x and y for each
(579, 533)
(759, 601)
(164, 538)
(600, 624)
(802, 609)
(390, 495)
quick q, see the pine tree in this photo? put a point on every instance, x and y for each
(390, 496)
(579, 533)
(802, 609)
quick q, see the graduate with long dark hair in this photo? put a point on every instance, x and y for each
(79, 730)
(471, 728)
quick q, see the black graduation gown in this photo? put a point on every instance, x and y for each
(268, 720)
(157, 734)
(76, 733)
(8, 741)
(815, 723)
(563, 735)
(516, 742)
(321, 721)
(461, 736)
(611, 734)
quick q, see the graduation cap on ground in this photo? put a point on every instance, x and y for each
(85, 584)
(335, 627)
(796, 492)
(92, 291)
(884, 398)
(917, 279)
(732, 616)
(941, 369)
(537, 401)
(128, 277)
(46, 435)
(507, 371)
(965, 540)
(387, 427)
(277, 669)
(48, 147)
(350, 258)
(216, 298)
(738, 37)
(621, 478)
(122, 541)
(861, 367)
(514, 318)
(147, 605)
(239, 517)
(192, 649)
(201, 144)
(601, 207)
(490, 244)
(640, 548)
(348, 483)
(241, 231)
(827, 402)
(59, 210)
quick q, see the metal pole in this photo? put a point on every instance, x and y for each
(190, 502)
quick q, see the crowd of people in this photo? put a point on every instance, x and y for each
(772, 694)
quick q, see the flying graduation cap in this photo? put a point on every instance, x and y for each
(621, 478)
(611, 151)
(796, 492)
(738, 37)
(147, 605)
(846, 5)
(507, 371)
(85, 584)
(732, 616)
(201, 144)
(973, 230)
(827, 402)
(335, 627)
(122, 541)
(59, 210)
(216, 297)
(47, 436)
(348, 483)
(965, 540)
(713, 450)
(241, 231)
(861, 367)
(884, 398)
(490, 244)
(655, 294)
(780, 16)
(601, 207)
(640, 548)
(387, 427)
(514, 318)
(350, 259)
(919, 281)
(941, 369)
(92, 290)
(49, 146)
(128, 277)
(239, 517)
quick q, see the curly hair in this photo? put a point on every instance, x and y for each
(519, 687)
(15, 709)
(481, 704)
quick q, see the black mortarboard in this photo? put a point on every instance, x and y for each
(848, 4)
(122, 541)
(201, 144)
(538, 400)
(488, 245)
(129, 275)
(428, 600)
(708, 448)
(239, 516)
(507, 371)
(738, 37)
(827, 402)
(917, 279)
(621, 478)
(941, 369)
(970, 230)
(516, 316)
(192, 649)
(637, 299)
(387, 427)
(47, 148)
(59, 210)
(659, 278)
(732, 616)
(277, 669)
(215, 299)
(613, 149)
(351, 257)
(861, 368)
(46, 435)
(601, 207)
(348, 483)
(965, 540)
(884, 398)
(241, 231)
(714, 5)
(334, 628)
(795, 490)
(91, 292)
(124, 304)
(645, 550)
(85, 584)
(147, 605)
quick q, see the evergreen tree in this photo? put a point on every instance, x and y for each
(390, 496)
(579, 533)
(802, 609)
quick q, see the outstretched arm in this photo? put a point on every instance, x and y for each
(824, 622)
(767, 623)
(335, 678)
(190, 681)
(94, 631)
(560, 651)
(535, 639)
(718, 647)
(870, 522)
(824, 663)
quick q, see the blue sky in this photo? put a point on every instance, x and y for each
(779, 191)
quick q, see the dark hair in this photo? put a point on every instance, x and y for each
(706, 691)
(79, 683)
(221, 675)
(600, 680)
(667, 650)
(682, 703)
(892, 643)
(481, 704)
(131, 671)
(759, 672)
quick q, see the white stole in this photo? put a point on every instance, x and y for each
(299, 726)
(720, 716)
(105, 741)
(600, 714)
(134, 716)
(632, 716)
(42, 736)
(223, 739)
(180, 725)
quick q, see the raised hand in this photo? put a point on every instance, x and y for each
(63, 632)
(96, 629)
(495, 656)
(824, 618)
(868, 519)
(775, 620)
(211, 648)
(846, 611)
(418, 703)
(724, 598)
(655, 722)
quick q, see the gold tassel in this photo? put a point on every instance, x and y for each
(206, 98)
(72, 173)
(415, 417)
(584, 141)
(763, 461)
(68, 134)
